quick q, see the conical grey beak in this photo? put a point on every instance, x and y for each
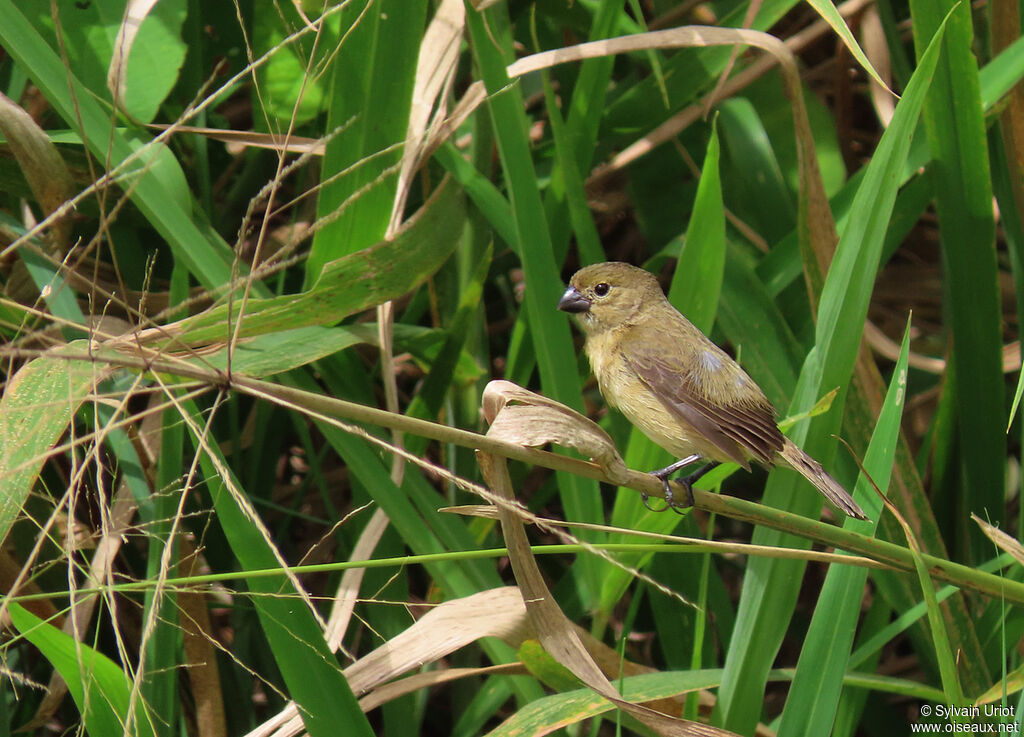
(573, 301)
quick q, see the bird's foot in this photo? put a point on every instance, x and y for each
(686, 482)
(670, 497)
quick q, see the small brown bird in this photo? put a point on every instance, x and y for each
(680, 389)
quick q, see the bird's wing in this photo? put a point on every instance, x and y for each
(741, 427)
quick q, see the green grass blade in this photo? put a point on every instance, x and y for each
(697, 282)
(1000, 75)
(752, 321)
(955, 125)
(817, 685)
(588, 241)
(576, 146)
(758, 194)
(488, 200)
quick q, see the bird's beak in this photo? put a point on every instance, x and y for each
(573, 301)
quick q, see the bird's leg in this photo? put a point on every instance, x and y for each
(663, 475)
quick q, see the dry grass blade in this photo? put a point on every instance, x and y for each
(348, 590)
(444, 629)
(391, 691)
(748, 21)
(685, 117)
(873, 41)
(435, 73)
(237, 140)
(199, 645)
(1005, 542)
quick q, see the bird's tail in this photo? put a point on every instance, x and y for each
(811, 470)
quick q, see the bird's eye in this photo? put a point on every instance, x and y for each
(601, 289)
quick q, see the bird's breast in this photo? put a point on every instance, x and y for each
(623, 390)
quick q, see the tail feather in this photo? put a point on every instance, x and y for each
(811, 470)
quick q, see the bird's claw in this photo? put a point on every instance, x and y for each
(670, 502)
(647, 503)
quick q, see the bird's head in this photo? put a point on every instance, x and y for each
(606, 296)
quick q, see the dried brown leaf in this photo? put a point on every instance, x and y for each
(445, 628)
(876, 48)
(1005, 542)
(520, 416)
(42, 165)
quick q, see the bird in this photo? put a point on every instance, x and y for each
(676, 386)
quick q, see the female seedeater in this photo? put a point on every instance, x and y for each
(680, 389)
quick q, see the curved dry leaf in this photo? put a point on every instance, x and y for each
(444, 629)
(517, 415)
(487, 511)
(42, 165)
(435, 73)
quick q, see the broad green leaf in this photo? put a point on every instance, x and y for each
(697, 282)
(35, 409)
(287, 91)
(88, 33)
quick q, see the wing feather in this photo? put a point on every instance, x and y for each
(741, 427)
